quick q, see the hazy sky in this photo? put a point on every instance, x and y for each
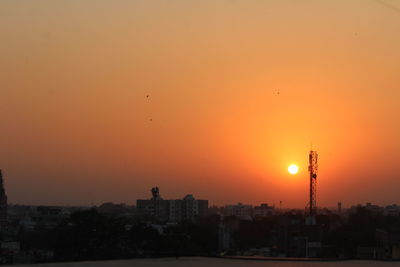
(238, 90)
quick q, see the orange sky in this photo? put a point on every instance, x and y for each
(75, 120)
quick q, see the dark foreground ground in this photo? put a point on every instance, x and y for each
(213, 262)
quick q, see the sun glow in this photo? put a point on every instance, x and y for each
(293, 169)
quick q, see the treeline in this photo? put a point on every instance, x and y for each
(359, 230)
(90, 235)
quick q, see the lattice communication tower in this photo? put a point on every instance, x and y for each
(313, 169)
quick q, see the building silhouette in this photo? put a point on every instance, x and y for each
(173, 210)
(3, 204)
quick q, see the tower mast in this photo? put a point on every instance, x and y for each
(313, 169)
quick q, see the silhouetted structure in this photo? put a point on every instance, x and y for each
(173, 210)
(388, 244)
(239, 210)
(3, 204)
(155, 193)
(313, 168)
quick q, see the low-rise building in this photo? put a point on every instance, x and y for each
(264, 210)
(388, 244)
(239, 210)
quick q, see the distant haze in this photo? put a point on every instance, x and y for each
(101, 100)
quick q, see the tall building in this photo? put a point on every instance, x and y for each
(154, 208)
(3, 203)
(173, 210)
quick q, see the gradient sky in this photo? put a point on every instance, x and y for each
(239, 89)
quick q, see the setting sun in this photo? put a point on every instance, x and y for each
(293, 169)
